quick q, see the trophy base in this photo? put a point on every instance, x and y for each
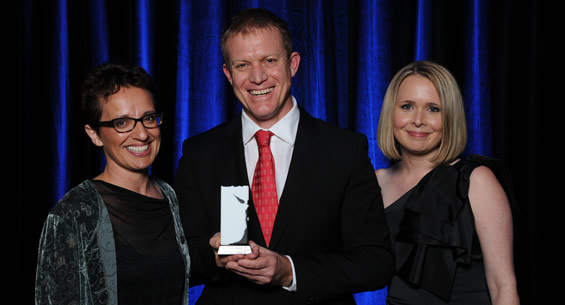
(234, 249)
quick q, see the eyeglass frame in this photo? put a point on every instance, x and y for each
(111, 122)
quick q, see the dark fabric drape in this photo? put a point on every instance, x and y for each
(350, 50)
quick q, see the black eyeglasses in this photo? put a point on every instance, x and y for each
(126, 124)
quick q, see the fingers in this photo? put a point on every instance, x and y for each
(258, 279)
(258, 266)
(255, 250)
(215, 241)
(262, 266)
(222, 260)
(258, 270)
(268, 268)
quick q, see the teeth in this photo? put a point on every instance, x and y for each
(137, 149)
(261, 92)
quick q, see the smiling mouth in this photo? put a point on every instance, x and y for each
(137, 149)
(418, 134)
(261, 92)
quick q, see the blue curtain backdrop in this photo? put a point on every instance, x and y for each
(350, 50)
(339, 80)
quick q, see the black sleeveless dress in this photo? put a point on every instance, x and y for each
(438, 256)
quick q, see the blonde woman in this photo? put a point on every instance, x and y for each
(450, 218)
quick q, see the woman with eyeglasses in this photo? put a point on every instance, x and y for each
(116, 239)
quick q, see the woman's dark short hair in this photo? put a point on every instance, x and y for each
(106, 80)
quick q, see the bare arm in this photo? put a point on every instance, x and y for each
(493, 222)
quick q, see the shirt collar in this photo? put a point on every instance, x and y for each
(285, 129)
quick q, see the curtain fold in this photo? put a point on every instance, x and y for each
(373, 74)
(60, 101)
(423, 30)
(476, 91)
(183, 75)
(144, 34)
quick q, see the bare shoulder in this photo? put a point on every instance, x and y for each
(485, 189)
(483, 176)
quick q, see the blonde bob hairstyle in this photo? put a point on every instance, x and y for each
(454, 137)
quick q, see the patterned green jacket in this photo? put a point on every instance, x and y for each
(77, 258)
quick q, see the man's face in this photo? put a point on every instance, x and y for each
(260, 73)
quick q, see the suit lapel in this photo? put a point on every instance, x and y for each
(235, 173)
(304, 156)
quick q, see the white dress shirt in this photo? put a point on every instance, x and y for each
(282, 146)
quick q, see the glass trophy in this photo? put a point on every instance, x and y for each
(233, 220)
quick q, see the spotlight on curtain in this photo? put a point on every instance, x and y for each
(99, 42)
(423, 30)
(99, 31)
(476, 90)
(182, 110)
(145, 32)
(374, 73)
(201, 101)
(60, 94)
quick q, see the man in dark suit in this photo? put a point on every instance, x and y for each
(329, 238)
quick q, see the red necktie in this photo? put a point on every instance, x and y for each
(264, 187)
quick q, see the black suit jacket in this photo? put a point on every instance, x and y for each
(330, 218)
